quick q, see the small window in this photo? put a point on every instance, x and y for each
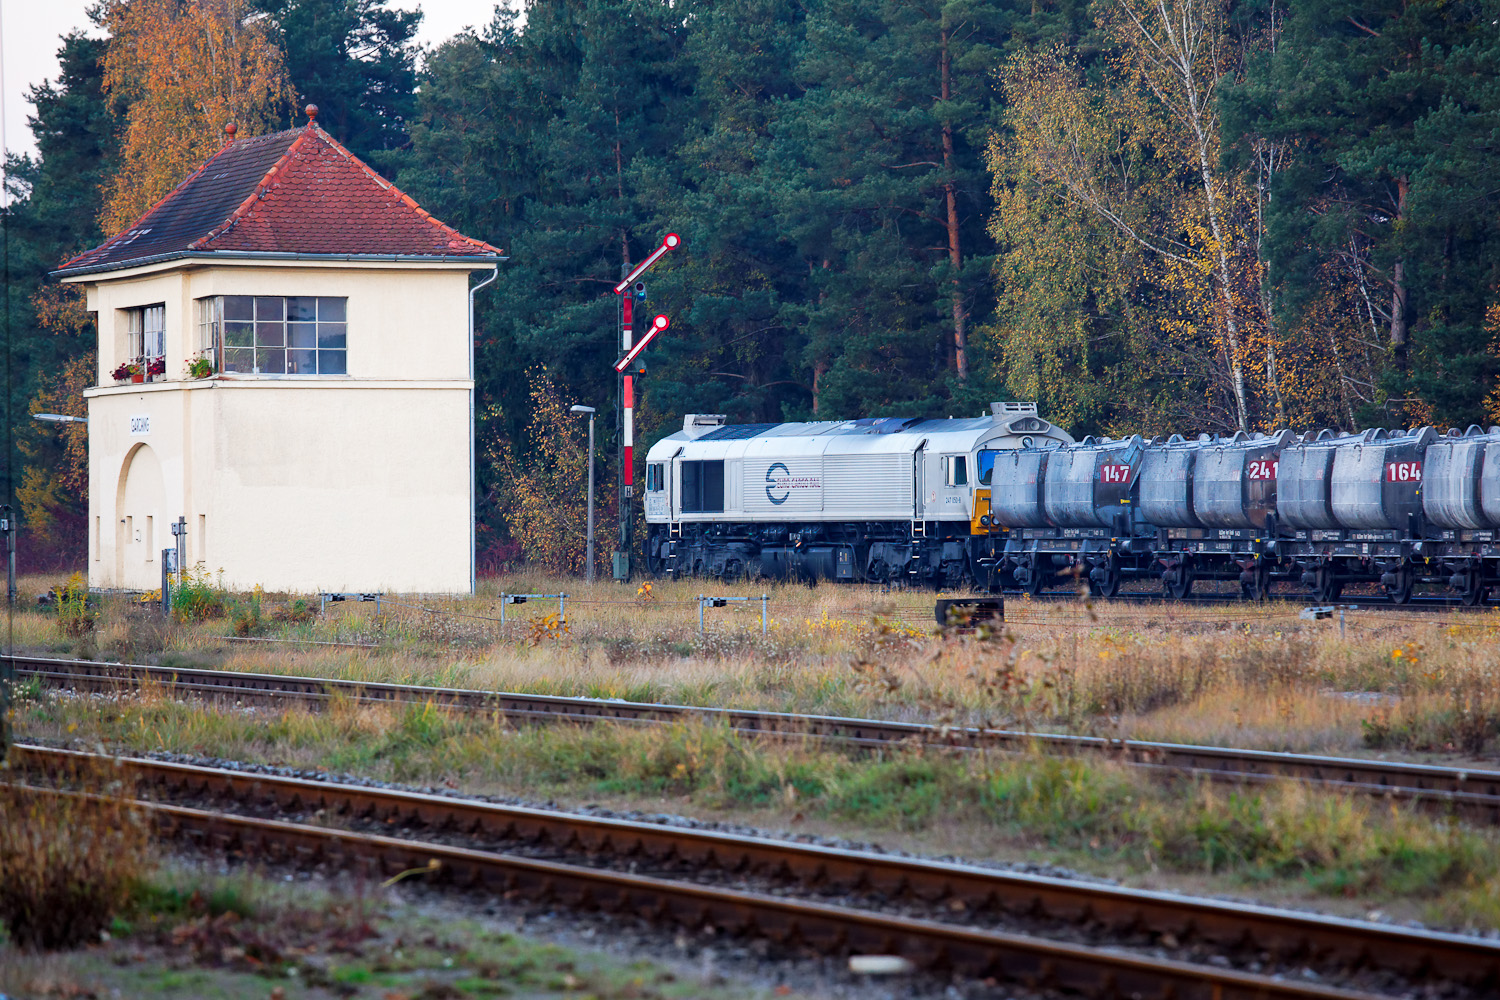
(703, 487)
(958, 470)
(147, 333)
(654, 478)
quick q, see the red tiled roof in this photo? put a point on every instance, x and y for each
(288, 192)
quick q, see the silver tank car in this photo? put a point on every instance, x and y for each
(1461, 480)
(1377, 478)
(1015, 480)
(1368, 480)
(1088, 484)
(1303, 497)
(1167, 486)
(1234, 480)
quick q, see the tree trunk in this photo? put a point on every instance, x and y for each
(955, 254)
(1398, 283)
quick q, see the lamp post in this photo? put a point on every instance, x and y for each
(588, 569)
(59, 418)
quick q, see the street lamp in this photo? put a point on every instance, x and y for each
(59, 418)
(589, 557)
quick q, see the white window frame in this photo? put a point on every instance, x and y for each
(146, 332)
(212, 343)
(952, 466)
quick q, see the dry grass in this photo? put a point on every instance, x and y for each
(69, 861)
(1247, 675)
(1283, 839)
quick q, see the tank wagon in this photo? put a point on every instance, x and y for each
(1011, 502)
(1320, 510)
(876, 500)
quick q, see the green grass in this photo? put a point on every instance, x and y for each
(1283, 836)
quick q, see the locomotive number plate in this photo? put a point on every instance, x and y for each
(1403, 472)
(1261, 469)
(1114, 473)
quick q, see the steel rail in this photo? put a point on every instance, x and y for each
(1033, 960)
(1471, 793)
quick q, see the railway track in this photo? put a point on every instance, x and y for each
(1473, 794)
(1100, 940)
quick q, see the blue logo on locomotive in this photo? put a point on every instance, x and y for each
(771, 483)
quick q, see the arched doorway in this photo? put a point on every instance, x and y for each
(140, 509)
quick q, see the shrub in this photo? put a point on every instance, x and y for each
(68, 862)
(198, 597)
(75, 616)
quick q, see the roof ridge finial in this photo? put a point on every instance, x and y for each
(312, 115)
(229, 131)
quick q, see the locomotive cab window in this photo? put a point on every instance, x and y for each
(958, 469)
(986, 467)
(703, 487)
(654, 479)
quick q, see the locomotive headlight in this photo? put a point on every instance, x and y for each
(984, 520)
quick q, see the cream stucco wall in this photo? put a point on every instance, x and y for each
(411, 320)
(294, 482)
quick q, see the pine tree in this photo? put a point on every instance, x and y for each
(356, 60)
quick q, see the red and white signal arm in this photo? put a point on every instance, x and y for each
(658, 324)
(1403, 472)
(669, 243)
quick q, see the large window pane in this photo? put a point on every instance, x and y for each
(301, 309)
(238, 307)
(270, 335)
(331, 310)
(302, 335)
(239, 335)
(272, 362)
(332, 335)
(332, 363)
(302, 362)
(269, 307)
(239, 359)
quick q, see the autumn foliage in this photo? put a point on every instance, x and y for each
(542, 488)
(185, 68)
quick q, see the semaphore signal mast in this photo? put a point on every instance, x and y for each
(632, 293)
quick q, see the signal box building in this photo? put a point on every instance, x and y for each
(285, 364)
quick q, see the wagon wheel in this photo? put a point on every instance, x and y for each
(732, 570)
(1109, 583)
(1259, 587)
(1474, 591)
(1327, 589)
(1035, 585)
(1400, 593)
(1178, 581)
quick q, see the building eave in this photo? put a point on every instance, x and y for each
(199, 257)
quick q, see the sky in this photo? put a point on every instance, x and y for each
(33, 29)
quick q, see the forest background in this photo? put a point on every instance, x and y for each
(1150, 216)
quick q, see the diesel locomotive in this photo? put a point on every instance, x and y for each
(1011, 502)
(878, 500)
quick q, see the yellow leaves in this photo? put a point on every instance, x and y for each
(186, 70)
(545, 485)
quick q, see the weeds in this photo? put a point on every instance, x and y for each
(76, 616)
(1325, 843)
(68, 861)
(199, 597)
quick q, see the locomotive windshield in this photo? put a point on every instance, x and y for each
(987, 457)
(986, 467)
